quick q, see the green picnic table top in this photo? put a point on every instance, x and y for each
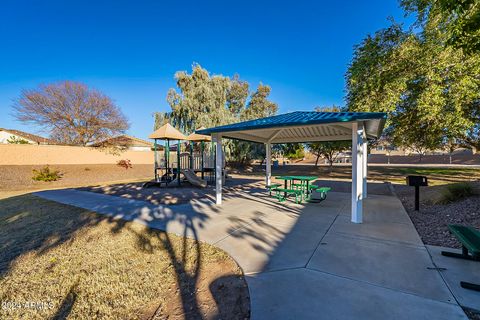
(304, 178)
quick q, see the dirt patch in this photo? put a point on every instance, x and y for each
(20, 177)
(74, 263)
(432, 220)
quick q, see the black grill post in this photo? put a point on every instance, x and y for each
(417, 182)
(417, 198)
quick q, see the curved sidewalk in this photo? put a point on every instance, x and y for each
(305, 261)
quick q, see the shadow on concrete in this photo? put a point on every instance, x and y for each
(170, 195)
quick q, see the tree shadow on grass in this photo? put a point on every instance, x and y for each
(67, 304)
(31, 224)
(28, 223)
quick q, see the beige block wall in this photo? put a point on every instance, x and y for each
(11, 154)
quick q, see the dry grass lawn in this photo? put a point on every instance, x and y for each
(76, 264)
(394, 174)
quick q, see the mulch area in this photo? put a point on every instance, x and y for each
(432, 219)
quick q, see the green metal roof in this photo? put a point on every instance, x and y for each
(374, 122)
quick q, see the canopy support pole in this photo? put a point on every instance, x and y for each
(218, 168)
(192, 163)
(357, 172)
(155, 160)
(202, 147)
(178, 162)
(364, 163)
(167, 161)
(268, 164)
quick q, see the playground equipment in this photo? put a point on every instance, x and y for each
(195, 137)
(168, 170)
(193, 178)
(167, 133)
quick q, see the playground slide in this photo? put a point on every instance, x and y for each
(193, 179)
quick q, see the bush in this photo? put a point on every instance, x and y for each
(46, 174)
(124, 164)
(455, 192)
(15, 140)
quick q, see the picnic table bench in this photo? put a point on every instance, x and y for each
(282, 193)
(272, 187)
(470, 239)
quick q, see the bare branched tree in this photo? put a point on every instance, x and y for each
(73, 113)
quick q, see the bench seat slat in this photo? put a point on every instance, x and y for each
(469, 237)
(273, 186)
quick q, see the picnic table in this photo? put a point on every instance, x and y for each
(292, 179)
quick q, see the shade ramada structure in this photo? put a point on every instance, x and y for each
(303, 127)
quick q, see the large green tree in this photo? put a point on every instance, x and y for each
(200, 102)
(429, 89)
(205, 100)
(459, 20)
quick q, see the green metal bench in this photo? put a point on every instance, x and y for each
(281, 192)
(272, 186)
(470, 239)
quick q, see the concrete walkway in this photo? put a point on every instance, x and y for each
(305, 261)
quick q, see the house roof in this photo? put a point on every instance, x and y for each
(125, 140)
(28, 136)
(302, 126)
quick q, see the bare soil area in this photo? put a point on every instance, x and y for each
(13, 178)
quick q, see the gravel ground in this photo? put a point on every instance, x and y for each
(432, 219)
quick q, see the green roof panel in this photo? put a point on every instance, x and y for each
(297, 118)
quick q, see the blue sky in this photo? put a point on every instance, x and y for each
(131, 49)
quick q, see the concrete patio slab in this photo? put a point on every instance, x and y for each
(364, 271)
(308, 294)
(395, 266)
(379, 230)
(456, 270)
(265, 246)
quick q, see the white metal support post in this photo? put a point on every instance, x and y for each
(357, 172)
(268, 164)
(218, 168)
(364, 163)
